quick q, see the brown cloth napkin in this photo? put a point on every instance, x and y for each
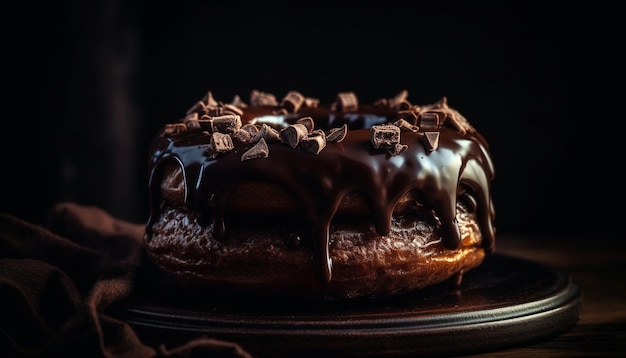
(58, 282)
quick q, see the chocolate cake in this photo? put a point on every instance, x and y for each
(295, 197)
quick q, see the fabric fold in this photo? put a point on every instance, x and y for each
(61, 282)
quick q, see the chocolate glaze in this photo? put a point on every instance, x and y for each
(461, 166)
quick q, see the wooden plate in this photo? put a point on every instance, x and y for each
(505, 302)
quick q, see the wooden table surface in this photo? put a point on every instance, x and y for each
(598, 265)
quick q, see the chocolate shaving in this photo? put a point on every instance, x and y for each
(431, 140)
(259, 150)
(314, 142)
(405, 126)
(384, 136)
(228, 123)
(308, 123)
(292, 101)
(347, 101)
(258, 98)
(293, 133)
(337, 134)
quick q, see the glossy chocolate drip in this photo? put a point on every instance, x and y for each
(461, 164)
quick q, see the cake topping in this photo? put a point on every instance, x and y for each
(405, 126)
(292, 101)
(259, 150)
(385, 136)
(293, 134)
(314, 142)
(337, 134)
(221, 143)
(229, 123)
(347, 101)
(258, 98)
(431, 140)
(307, 122)
(429, 120)
(408, 115)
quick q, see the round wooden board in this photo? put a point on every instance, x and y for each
(505, 302)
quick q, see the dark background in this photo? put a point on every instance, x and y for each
(87, 84)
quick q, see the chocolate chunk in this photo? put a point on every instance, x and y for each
(258, 98)
(206, 124)
(172, 129)
(228, 123)
(251, 128)
(431, 140)
(404, 106)
(449, 116)
(384, 136)
(311, 102)
(246, 133)
(337, 134)
(314, 142)
(293, 133)
(459, 122)
(192, 124)
(408, 115)
(191, 120)
(428, 120)
(232, 109)
(208, 100)
(308, 123)
(237, 101)
(281, 111)
(399, 99)
(399, 148)
(347, 101)
(382, 102)
(405, 126)
(268, 133)
(214, 111)
(197, 107)
(292, 101)
(221, 143)
(259, 150)
(242, 136)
